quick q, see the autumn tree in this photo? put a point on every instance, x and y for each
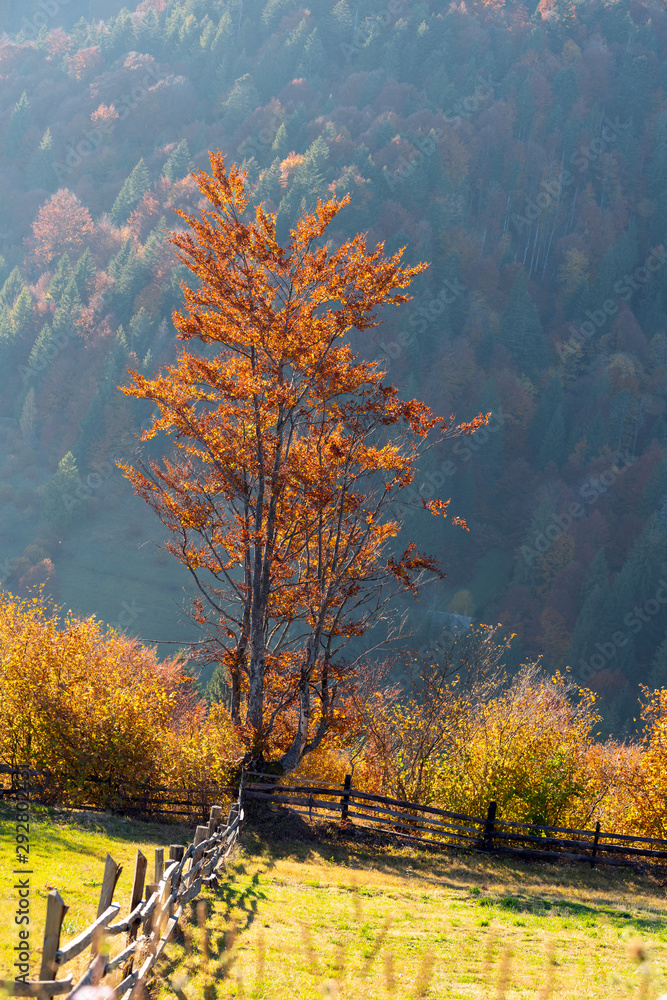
(62, 225)
(289, 456)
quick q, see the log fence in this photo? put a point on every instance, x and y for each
(153, 913)
(149, 801)
(440, 828)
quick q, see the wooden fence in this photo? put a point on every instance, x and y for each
(16, 777)
(149, 801)
(150, 922)
(440, 828)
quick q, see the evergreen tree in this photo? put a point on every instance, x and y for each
(12, 288)
(268, 186)
(148, 33)
(241, 102)
(522, 332)
(179, 163)
(308, 182)
(657, 677)
(153, 245)
(27, 420)
(279, 147)
(21, 314)
(130, 194)
(19, 123)
(119, 36)
(40, 169)
(60, 279)
(67, 308)
(296, 128)
(313, 60)
(84, 274)
(59, 496)
(139, 330)
(553, 447)
(129, 273)
(594, 623)
(42, 352)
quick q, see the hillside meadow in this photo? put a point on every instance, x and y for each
(67, 853)
(306, 912)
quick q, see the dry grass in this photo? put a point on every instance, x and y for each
(333, 919)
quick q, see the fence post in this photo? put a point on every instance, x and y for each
(241, 788)
(345, 801)
(176, 852)
(140, 866)
(55, 913)
(596, 838)
(111, 875)
(214, 820)
(201, 834)
(158, 871)
(488, 826)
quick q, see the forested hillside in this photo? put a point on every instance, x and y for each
(521, 152)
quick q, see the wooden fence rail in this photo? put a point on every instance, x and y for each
(152, 801)
(150, 921)
(440, 828)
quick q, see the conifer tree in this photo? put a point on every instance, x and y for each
(12, 288)
(19, 123)
(179, 162)
(60, 279)
(42, 352)
(40, 169)
(59, 499)
(522, 332)
(130, 194)
(84, 272)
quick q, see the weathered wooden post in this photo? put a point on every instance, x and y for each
(140, 866)
(345, 801)
(111, 875)
(596, 839)
(488, 826)
(136, 896)
(242, 788)
(214, 819)
(159, 864)
(55, 914)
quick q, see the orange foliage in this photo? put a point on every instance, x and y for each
(145, 216)
(84, 62)
(99, 711)
(104, 113)
(288, 167)
(62, 225)
(288, 455)
(59, 43)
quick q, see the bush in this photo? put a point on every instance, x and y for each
(99, 711)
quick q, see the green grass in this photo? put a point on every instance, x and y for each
(354, 918)
(67, 853)
(303, 920)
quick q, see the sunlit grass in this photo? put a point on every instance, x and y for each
(345, 919)
(67, 853)
(313, 920)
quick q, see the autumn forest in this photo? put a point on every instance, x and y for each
(519, 151)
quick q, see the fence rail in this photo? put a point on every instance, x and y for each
(151, 801)
(150, 921)
(440, 828)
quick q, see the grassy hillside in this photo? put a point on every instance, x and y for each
(343, 918)
(67, 853)
(340, 916)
